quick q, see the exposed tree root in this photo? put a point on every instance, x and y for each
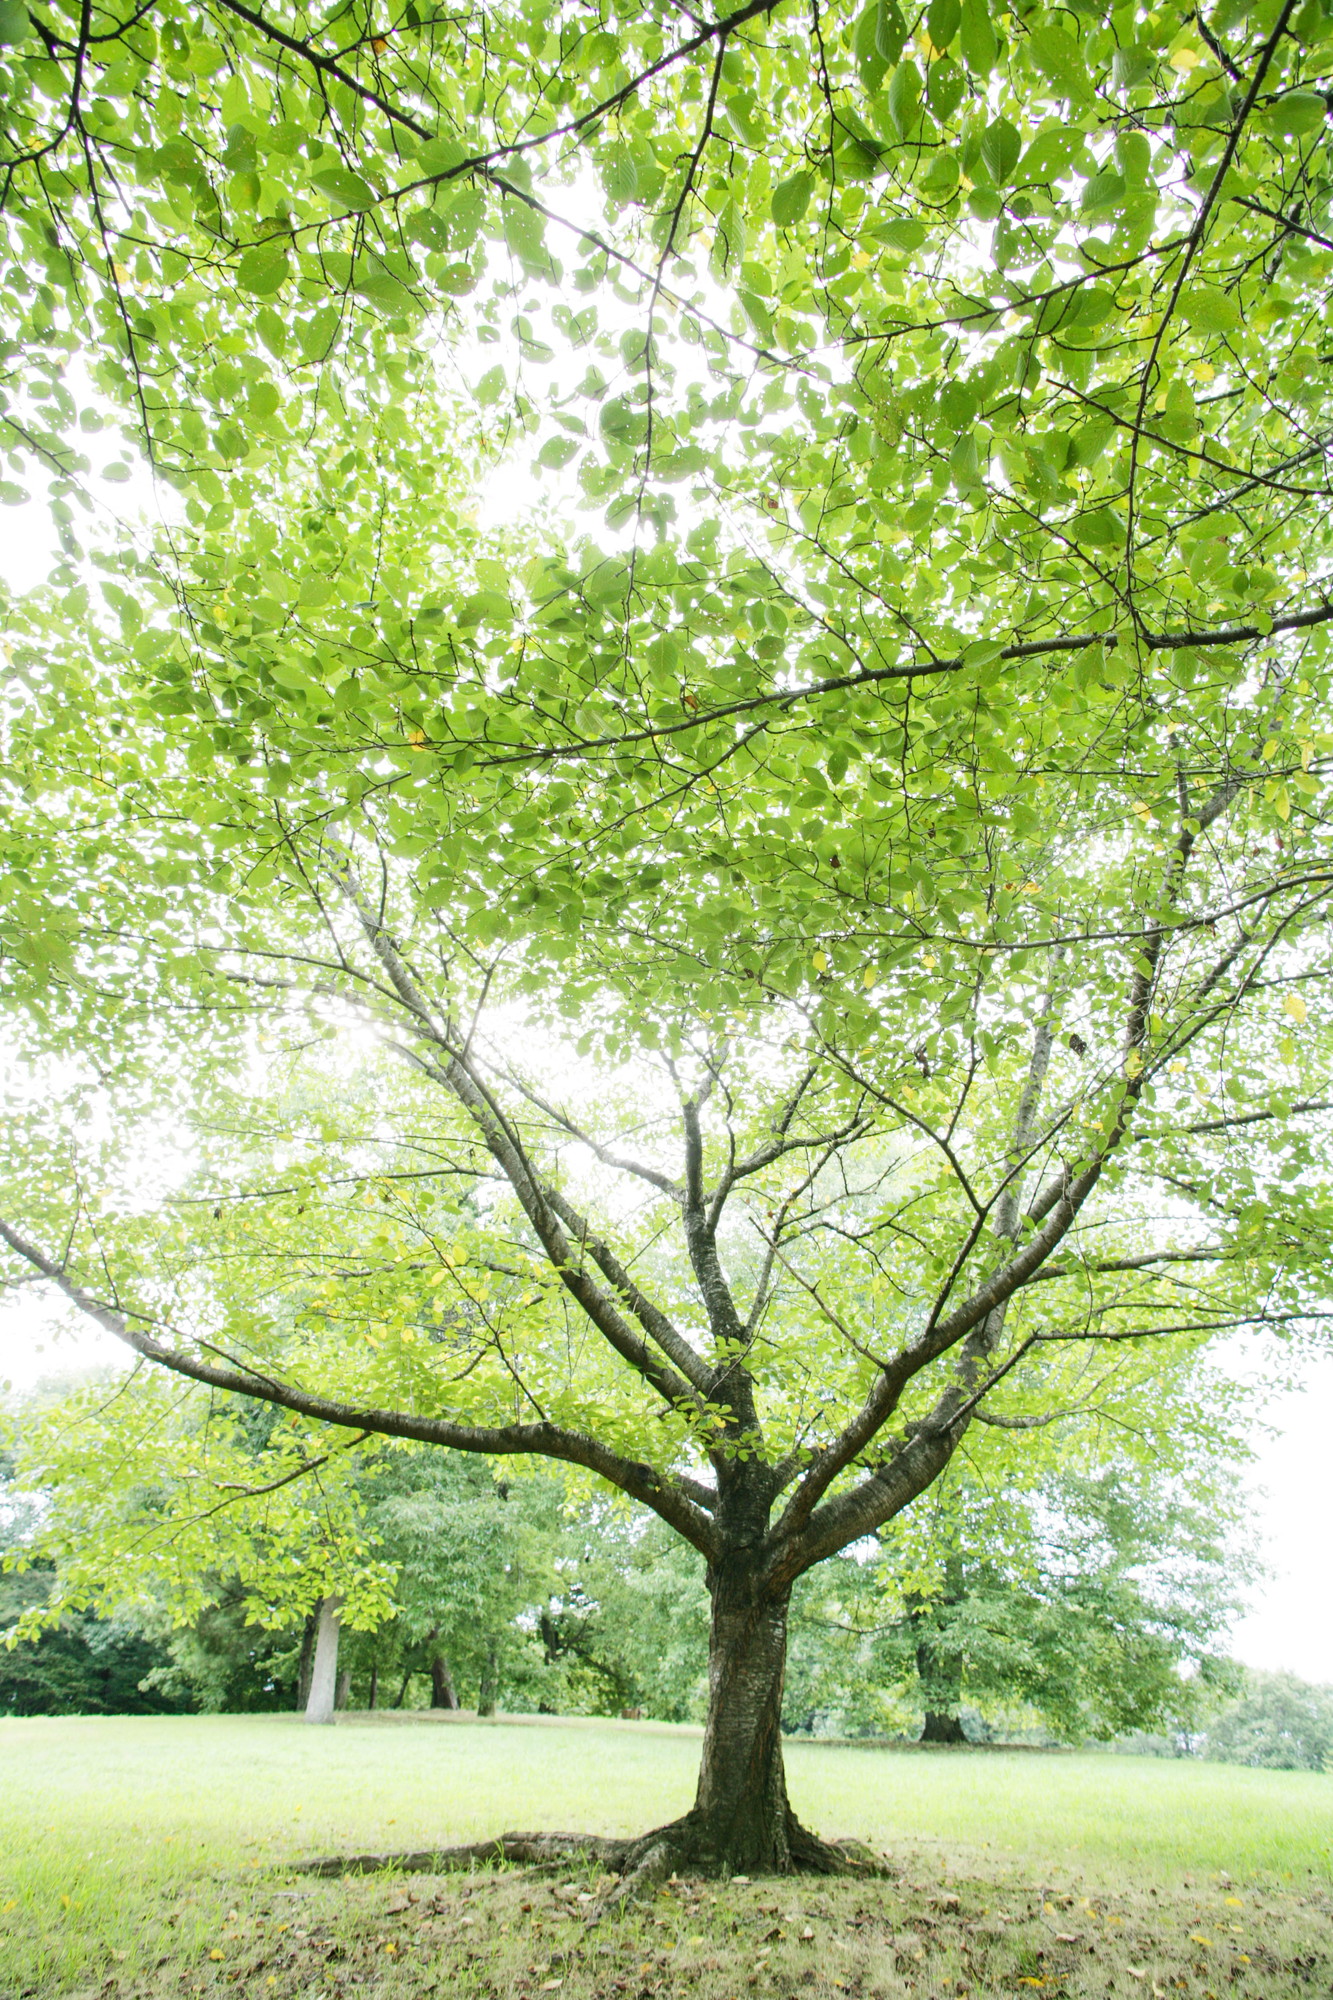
(530, 1850)
(684, 1847)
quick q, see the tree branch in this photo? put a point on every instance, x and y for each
(640, 1481)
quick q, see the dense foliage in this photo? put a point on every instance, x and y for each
(1280, 1723)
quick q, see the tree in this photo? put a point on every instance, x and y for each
(471, 1555)
(924, 842)
(1100, 1603)
(80, 1666)
(1279, 1723)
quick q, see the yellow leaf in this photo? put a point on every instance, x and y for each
(820, 961)
(1295, 1007)
(868, 976)
(1233, 1902)
(215, 1954)
(1197, 1937)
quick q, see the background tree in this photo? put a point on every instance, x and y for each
(1280, 1723)
(925, 842)
(1105, 1610)
(81, 1665)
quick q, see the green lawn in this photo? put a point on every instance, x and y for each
(104, 1821)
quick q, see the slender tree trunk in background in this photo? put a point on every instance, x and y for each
(344, 1688)
(490, 1680)
(939, 1659)
(324, 1674)
(442, 1693)
(307, 1661)
(402, 1692)
(374, 1682)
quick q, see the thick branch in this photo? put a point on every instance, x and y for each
(543, 1440)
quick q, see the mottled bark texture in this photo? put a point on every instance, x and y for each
(324, 1674)
(442, 1693)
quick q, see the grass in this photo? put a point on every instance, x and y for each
(151, 1856)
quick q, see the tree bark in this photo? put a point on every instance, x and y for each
(344, 1689)
(939, 1659)
(324, 1674)
(742, 1819)
(307, 1661)
(942, 1729)
(441, 1683)
(741, 1822)
(490, 1681)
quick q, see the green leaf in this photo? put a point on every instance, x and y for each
(1211, 311)
(1000, 149)
(1130, 67)
(939, 182)
(620, 176)
(902, 233)
(1298, 112)
(491, 387)
(944, 88)
(557, 451)
(623, 422)
(1099, 529)
(978, 44)
(15, 23)
(263, 270)
(877, 40)
(942, 19)
(890, 31)
(791, 198)
(1060, 59)
(904, 98)
(441, 156)
(345, 189)
(381, 289)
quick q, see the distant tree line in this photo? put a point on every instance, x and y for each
(1092, 1608)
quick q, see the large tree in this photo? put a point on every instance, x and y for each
(919, 830)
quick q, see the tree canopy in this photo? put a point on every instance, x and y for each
(738, 998)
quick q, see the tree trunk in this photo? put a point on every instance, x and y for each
(344, 1688)
(490, 1681)
(324, 1674)
(741, 1816)
(307, 1661)
(939, 1659)
(942, 1729)
(374, 1682)
(741, 1822)
(441, 1683)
